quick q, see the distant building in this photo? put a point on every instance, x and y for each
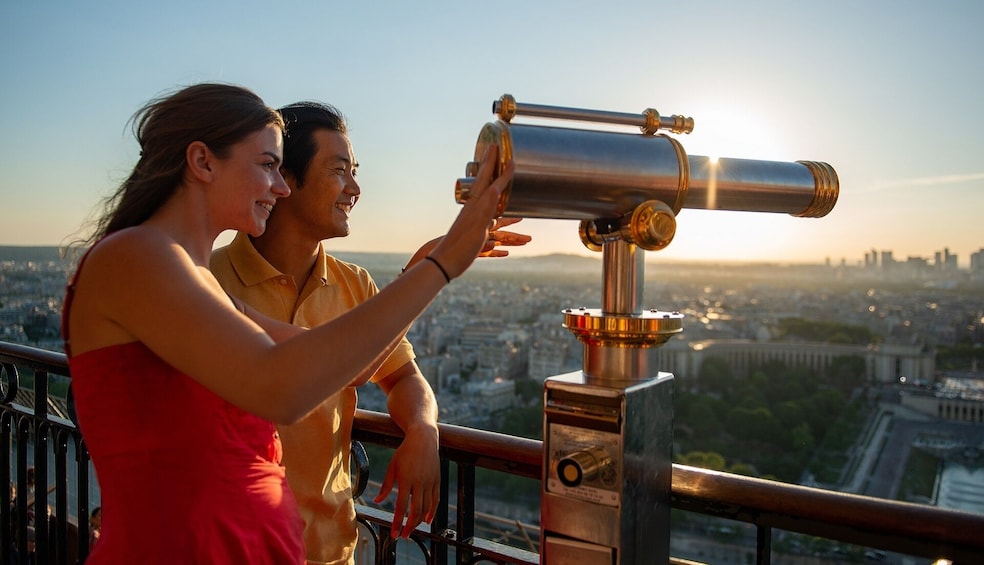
(950, 398)
(944, 265)
(884, 363)
(547, 358)
(476, 334)
(977, 261)
(494, 395)
(887, 262)
(438, 369)
(871, 259)
(949, 261)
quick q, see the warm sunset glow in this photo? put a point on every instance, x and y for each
(762, 88)
(733, 132)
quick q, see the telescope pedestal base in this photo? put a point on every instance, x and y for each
(607, 471)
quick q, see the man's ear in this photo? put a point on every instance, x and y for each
(199, 159)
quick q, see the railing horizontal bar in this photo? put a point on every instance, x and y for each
(489, 450)
(903, 527)
(33, 357)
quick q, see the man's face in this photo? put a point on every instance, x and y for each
(329, 192)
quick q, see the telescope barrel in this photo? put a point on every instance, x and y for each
(806, 189)
(575, 174)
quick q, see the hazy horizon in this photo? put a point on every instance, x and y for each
(53, 251)
(884, 91)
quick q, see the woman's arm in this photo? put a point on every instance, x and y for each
(282, 331)
(139, 284)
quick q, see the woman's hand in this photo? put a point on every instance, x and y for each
(469, 234)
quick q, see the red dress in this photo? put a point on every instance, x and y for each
(186, 477)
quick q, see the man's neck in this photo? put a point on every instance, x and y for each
(290, 253)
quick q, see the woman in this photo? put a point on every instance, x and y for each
(176, 389)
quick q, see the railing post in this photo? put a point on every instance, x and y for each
(763, 545)
(23, 431)
(440, 524)
(61, 549)
(387, 550)
(42, 530)
(6, 524)
(82, 472)
(466, 510)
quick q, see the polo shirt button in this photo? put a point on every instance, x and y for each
(283, 280)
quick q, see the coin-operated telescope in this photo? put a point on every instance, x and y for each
(608, 429)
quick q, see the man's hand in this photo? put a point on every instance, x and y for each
(416, 470)
(497, 237)
(500, 237)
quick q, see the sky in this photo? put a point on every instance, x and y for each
(886, 91)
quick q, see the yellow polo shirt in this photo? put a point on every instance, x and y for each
(316, 449)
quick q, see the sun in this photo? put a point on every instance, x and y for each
(729, 132)
(708, 231)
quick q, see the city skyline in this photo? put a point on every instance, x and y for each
(885, 92)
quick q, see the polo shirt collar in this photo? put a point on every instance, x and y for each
(321, 266)
(250, 266)
(253, 269)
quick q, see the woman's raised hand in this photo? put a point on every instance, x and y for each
(469, 234)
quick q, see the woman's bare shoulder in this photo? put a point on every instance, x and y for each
(131, 249)
(136, 239)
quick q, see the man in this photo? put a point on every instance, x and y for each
(286, 274)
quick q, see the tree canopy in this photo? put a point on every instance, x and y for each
(767, 424)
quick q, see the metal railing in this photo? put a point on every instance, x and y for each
(467, 449)
(768, 506)
(33, 435)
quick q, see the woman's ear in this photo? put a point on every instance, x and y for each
(199, 159)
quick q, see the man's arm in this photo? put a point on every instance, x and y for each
(415, 467)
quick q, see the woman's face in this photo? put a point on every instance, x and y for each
(249, 181)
